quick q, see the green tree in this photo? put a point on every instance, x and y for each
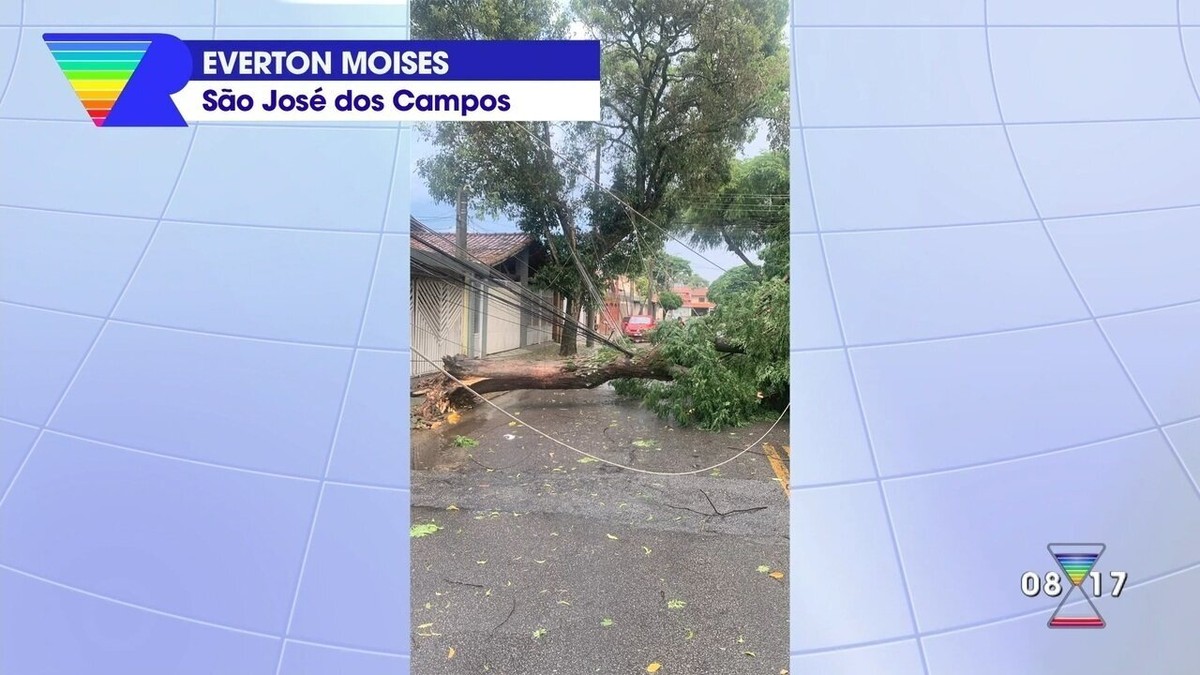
(743, 212)
(670, 301)
(488, 20)
(732, 284)
(668, 270)
(732, 364)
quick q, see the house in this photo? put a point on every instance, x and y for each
(458, 303)
(695, 302)
(621, 300)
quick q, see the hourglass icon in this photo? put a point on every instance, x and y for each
(1076, 561)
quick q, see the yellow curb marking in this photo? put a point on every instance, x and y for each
(779, 466)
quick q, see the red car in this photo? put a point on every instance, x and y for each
(635, 327)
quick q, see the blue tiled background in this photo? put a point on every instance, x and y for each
(203, 424)
(202, 464)
(996, 306)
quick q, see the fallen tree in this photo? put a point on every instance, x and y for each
(488, 376)
(721, 370)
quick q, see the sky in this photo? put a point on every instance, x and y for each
(709, 264)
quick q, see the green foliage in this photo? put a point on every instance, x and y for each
(465, 442)
(759, 323)
(418, 530)
(741, 215)
(669, 300)
(488, 20)
(732, 284)
(509, 172)
(720, 389)
(683, 84)
(716, 392)
(671, 269)
(668, 270)
(560, 273)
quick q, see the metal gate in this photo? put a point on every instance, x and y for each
(436, 313)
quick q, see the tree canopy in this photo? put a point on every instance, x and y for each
(741, 214)
(732, 284)
(670, 301)
(488, 20)
(668, 270)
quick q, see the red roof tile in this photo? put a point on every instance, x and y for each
(490, 248)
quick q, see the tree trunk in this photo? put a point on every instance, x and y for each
(568, 346)
(486, 376)
(738, 252)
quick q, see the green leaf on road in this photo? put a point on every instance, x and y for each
(763, 569)
(675, 604)
(644, 444)
(423, 529)
(539, 633)
(606, 622)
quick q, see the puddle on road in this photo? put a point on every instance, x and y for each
(425, 455)
(435, 448)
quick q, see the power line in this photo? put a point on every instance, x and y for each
(484, 270)
(572, 448)
(612, 194)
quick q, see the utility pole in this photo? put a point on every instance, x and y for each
(591, 313)
(650, 287)
(461, 250)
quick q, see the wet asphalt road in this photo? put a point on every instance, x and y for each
(546, 564)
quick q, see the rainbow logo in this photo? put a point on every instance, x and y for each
(98, 70)
(1076, 561)
(1076, 565)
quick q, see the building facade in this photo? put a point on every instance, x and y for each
(477, 301)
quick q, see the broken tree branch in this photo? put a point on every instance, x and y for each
(510, 613)
(715, 511)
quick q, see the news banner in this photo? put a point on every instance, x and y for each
(154, 79)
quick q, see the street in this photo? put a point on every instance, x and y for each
(528, 557)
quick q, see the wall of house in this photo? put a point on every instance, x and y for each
(540, 327)
(503, 320)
